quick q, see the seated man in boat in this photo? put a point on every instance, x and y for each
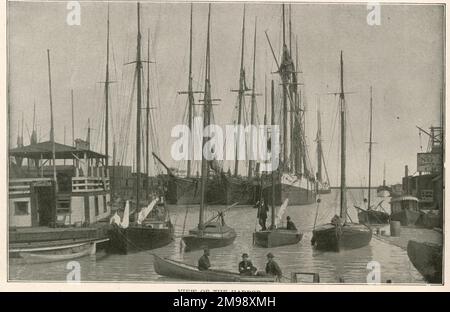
(246, 266)
(289, 224)
(272, 268)
(203, 262)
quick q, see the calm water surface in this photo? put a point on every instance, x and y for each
(349, 265)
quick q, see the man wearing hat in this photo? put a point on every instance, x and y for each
(289, 224)
(246, 266)
(203, 262)
(272, 267)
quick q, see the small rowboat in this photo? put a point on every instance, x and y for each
(177, 269)
(52, 253)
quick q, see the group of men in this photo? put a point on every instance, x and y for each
(246, 267)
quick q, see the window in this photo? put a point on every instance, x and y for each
(105, 208)
(21, 208)
(96, 205)
(426, 195)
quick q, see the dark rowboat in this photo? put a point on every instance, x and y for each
(427, 259)
(177, 269)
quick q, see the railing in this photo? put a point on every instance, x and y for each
(22, 186)
(89, 184)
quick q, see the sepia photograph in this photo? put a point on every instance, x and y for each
(243, 143)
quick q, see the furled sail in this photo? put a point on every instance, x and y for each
(282, 211)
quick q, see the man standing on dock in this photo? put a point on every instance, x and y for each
(203, 262)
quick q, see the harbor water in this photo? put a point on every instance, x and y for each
(349, 266)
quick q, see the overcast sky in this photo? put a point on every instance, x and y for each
(402, 59)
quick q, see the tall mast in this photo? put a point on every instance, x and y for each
(107, 97)
(190, 94)
(284, 77)
(319, 143)
(253, 106)
(147, 120)
(265, 99)
(21, 134)
(73, 124)
(293, 96)
(384, 174)
(240, 96)
(206, 117)
(88, 138)
(52, 132)
(33, 138)
(113, 189)
(139, 108)
(272, 122)
(290, 29)
(343, 201)
(370, 150)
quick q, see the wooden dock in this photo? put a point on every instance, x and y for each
(40, 234)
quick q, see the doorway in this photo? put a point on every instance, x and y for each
(45, 198)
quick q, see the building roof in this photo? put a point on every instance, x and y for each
(404, 198)
(44, 150)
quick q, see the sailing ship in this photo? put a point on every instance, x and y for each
(214, 232)
(295, 181)
(371, 215)
(238, 188)
(275, 236)
(384, 190)
(186, 189)
(323, 185)
(340, 234)
(151, 227)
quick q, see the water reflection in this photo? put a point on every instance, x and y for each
(349, 265)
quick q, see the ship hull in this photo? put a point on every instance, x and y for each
(373, 217)
(328, 237)
(406, 217)
(138, 238)
(298, 190)
(183, 191)
(215, 235)
(277, 237)
(427, 259)
(239, 191)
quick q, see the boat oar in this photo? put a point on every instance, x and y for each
(221, 212)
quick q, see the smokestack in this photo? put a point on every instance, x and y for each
(406, 180)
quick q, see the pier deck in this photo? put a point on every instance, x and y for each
(411, 233)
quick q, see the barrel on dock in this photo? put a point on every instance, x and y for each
(395, 228)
